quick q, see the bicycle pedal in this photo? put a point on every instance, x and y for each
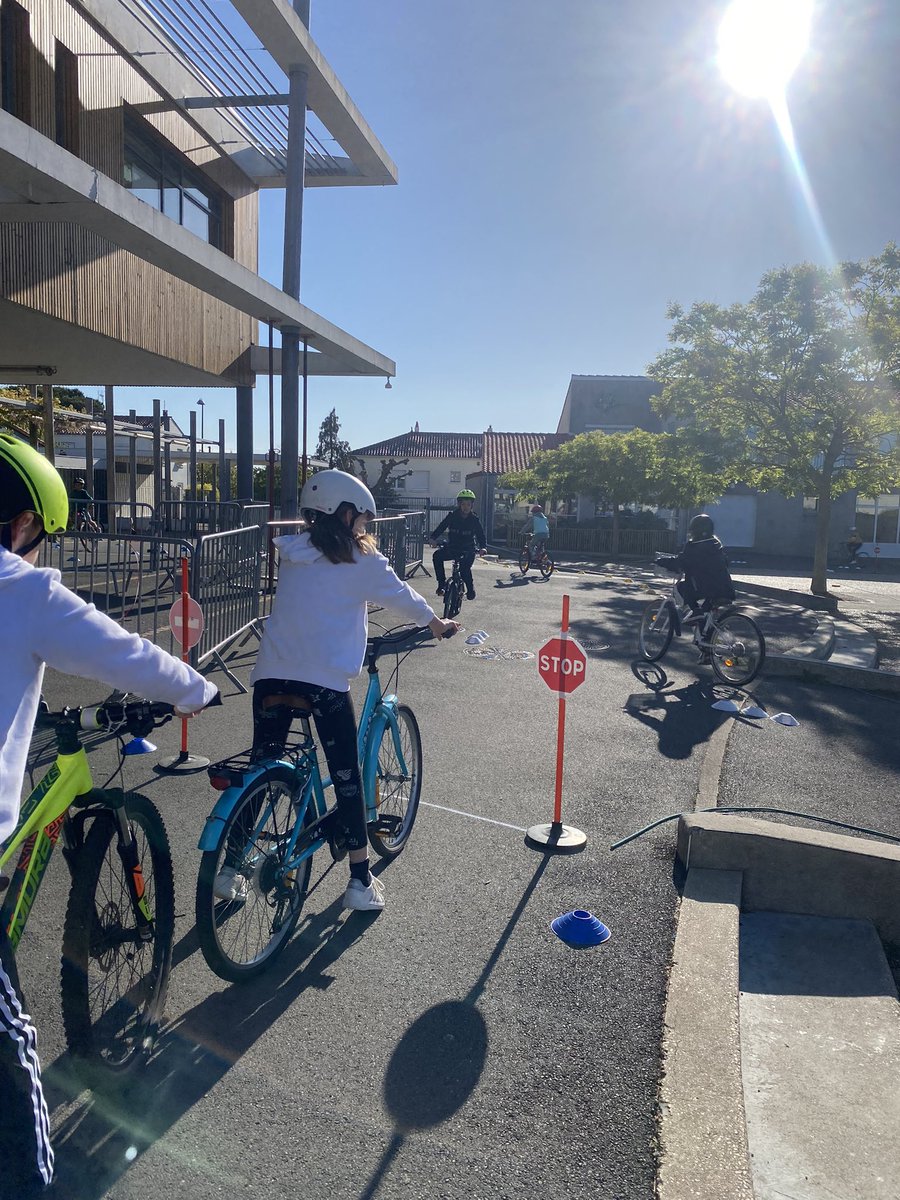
(387, 825)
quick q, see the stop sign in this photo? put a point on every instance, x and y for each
(191, 636)
(561, 663)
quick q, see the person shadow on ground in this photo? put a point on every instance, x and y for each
(681, 718)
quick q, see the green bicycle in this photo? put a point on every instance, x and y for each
(120, 918)
(272, 817)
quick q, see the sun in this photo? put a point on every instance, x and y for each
(761, 42)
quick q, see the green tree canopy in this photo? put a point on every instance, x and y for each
(617, 469)
(794, 390)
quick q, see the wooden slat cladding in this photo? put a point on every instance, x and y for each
(110, 291)
(70, 273)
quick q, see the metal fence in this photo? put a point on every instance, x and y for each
(197, 516)
(226, 573)
(117, 516)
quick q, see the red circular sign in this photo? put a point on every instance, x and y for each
(561, 664)
(194, 622)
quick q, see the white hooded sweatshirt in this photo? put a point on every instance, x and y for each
(41, 621)
(319, 623)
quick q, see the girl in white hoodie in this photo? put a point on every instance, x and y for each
(314, 644)
(41, 621)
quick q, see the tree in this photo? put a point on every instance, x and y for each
(383, 489)
(795, 388)
(616, 469)
(331, 448)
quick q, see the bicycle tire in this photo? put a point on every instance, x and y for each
(657, 630)
(397, 792)
(547, 566)
(524, 561)
(114, 983)
(737, 648)
(452, 599)
(240, 938)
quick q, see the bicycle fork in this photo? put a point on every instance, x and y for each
(134, 874)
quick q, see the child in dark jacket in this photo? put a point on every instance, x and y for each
(707, 580)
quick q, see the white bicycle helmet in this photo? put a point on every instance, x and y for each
(326, 491)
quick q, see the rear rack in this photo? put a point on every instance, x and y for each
(230, 772)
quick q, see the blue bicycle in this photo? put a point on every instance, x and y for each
(272, 817)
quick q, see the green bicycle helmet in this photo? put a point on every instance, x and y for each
(465, 494)
(29, 483)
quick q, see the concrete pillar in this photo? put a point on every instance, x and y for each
(193, 469)
(290, 335)
(244, 429)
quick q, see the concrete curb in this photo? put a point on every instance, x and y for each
(804, 599)
(703, 1141)
(863, 679)
(789, 869)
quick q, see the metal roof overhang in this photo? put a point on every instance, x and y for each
(53, 185)
(287, 41)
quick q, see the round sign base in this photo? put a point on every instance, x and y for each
(556, 836)
(182, 762)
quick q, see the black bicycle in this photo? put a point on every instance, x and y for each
(454, 590)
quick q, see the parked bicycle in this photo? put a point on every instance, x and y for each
(120, 918)
(535, 554)
(272, 817)
(732, 639)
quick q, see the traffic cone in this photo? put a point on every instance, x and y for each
(580, 929)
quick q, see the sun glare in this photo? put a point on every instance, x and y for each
(761, 42)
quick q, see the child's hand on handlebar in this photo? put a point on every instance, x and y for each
(443, 629)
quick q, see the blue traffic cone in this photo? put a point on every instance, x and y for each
(580, 929)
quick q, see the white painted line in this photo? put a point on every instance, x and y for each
(475, 817)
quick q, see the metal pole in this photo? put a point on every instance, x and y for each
(305, 381)
(157, 451)
(49, 444)
(110, 456)
(167, 459)
(224, 469)
(193, 467)
(132, 466)
(290, 335)
(270, 475)
(89, 458)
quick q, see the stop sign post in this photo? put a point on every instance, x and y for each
(186, 623)
(561, 664)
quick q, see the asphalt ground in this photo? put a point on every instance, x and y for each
(450, 1047)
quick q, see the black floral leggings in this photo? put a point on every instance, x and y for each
(336, 727)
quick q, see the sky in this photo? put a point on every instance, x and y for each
(566, 171)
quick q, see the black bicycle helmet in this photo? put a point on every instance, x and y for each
(29, 483)
(701, 527)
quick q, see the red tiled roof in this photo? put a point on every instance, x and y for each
(505, 452)
(428, 445)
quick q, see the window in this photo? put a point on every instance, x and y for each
(65, 82)
(164, 179)
(15, 60)
(455, 476)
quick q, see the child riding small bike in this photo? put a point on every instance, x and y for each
(707, 581)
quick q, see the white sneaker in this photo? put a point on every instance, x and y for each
(229, 885)
(362, 898)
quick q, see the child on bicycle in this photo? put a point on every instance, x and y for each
(707, 580)
(82, 503)
(313, 646)
(465, 539)
(537, 530)
(43, 622)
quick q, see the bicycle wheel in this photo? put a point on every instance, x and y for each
(657, 630)
(114, 977)
(452, 599)
(737, 648)
(547, 566)
(240, 937)
(398, 784)
(524, 561)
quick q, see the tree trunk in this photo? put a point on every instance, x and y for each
(819, 584)
(615, 528)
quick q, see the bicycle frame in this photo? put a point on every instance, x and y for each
(43, 818)
(378, 711)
